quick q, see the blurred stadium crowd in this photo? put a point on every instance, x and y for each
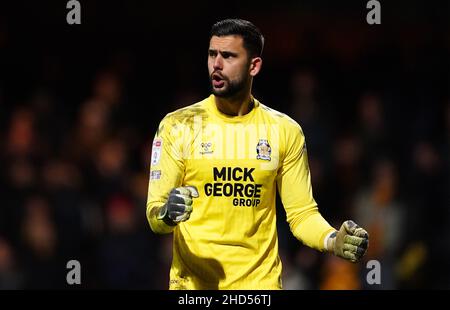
(79, 108)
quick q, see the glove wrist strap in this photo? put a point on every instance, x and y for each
(331, 242)
(163, 215)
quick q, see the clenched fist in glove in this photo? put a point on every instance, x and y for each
(178, 207)
(350, 242)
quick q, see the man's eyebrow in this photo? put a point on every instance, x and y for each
(223, 53)
(228, 53)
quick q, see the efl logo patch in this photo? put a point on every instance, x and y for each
(263, 150)
(155, 175)
(156, 151)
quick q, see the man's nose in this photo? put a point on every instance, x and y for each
(218, 63)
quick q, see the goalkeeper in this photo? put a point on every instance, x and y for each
(216, 167)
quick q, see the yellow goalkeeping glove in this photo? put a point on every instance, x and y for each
(178, 207)
(350, 242)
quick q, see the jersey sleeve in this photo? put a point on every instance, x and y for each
(166, 171)
(294, 186)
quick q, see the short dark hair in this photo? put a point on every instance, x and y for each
(253, 39)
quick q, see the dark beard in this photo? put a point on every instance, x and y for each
(233, 87)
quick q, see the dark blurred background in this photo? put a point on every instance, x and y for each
(79, 105)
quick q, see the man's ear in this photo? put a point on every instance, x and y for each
(255, 65)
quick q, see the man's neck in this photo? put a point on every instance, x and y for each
(236, 106)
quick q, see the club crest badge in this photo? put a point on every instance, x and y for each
(263, 150)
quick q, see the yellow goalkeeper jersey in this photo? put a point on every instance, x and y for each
(236, 163)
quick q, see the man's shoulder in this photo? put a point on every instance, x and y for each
(279, 118)
(187, 113)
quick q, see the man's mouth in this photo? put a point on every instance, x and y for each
(217, 80)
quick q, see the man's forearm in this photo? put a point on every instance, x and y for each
(313, 230)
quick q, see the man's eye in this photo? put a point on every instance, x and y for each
(212, 54)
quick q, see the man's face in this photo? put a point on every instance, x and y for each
(228, 65)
